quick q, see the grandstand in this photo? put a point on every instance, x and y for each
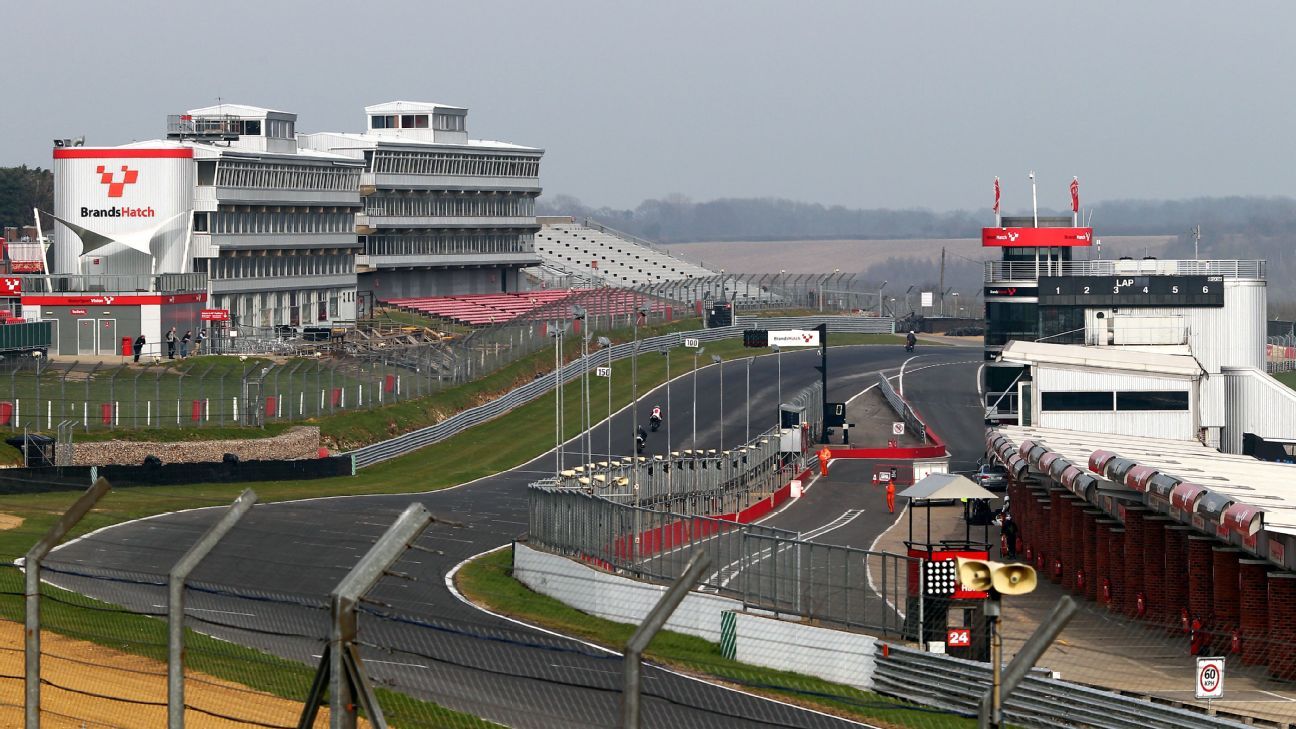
(488, 309)
(595, 252)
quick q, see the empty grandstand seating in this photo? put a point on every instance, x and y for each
(615, 259)
(487, 309)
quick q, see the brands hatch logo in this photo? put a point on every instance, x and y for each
(117, 187)
(806, 337)
(1012, 237)
(117, 183)
(12, 285)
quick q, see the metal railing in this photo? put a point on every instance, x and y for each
(1028, 271)
(688, 481)
(957, 685)
(112, 283)
(906, 412)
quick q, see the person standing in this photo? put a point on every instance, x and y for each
(891, 496)
(824, 456)
(198, 343)
(171, 343)
(184, 343)
(139, 347)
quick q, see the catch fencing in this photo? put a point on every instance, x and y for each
(567, 372)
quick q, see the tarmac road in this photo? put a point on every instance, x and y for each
(461, 657)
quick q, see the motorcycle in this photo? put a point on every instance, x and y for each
(909, 347)
(654, 422)
(639, 444)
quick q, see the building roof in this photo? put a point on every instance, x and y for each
(369, 141)
(401, 107)
(946, 486)
(1106, 358)
(1264, 485)
(236, 110)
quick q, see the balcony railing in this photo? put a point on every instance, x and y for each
(998, 271)
(113, 283)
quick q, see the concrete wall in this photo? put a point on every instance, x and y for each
(297, 442)
(833, 655)
(615, 598)
(784, 645)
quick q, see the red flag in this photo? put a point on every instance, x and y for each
(1075, 194)
(996, 205)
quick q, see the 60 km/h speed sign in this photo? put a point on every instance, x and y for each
(1210, 678)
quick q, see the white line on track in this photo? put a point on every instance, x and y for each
(730, 573)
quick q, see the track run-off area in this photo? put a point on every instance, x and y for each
(275, 570)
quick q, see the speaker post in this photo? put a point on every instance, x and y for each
(992, 611)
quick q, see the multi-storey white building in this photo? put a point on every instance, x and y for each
(442, 213)
(256, 226)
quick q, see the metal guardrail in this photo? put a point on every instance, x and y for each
(902, 408)
(1029, 271)
(839, 324)
(402, 444)
(957, 685)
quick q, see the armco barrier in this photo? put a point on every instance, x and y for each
(903, 452)
(402, 444)
(956, 685)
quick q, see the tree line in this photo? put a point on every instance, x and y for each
(21, 189)
(676, 218)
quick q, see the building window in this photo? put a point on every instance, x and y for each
(382, 122)
(251, 128)
(1076, 401)
(1152, 400)
(200, 222)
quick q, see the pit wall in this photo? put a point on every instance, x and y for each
(780, 644)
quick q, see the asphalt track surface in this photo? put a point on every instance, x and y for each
(284, 559)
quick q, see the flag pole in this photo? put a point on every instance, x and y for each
(1035, 212)
(998, 215)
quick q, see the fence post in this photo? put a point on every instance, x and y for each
(644, 634)
(31, 617)
(340, 668)
(175, 603)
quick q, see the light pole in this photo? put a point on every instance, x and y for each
(558, 405)
(749, 364)
(881, 308)
(666, 353)
(606, 344)
(715, 358)
(778, 410)
(578, 315)
(956, 305)
(641, 312)
(696, 354)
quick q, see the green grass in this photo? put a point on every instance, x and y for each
(1287, 378)
(488, 581)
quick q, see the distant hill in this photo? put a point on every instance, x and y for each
(676, 219)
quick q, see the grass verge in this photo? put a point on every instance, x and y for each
(488, 581)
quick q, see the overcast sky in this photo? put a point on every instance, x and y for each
(863, 104)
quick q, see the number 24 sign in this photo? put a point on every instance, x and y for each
(958, 637)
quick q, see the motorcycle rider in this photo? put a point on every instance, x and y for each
(641, 439)
(910, 341)
(655, 419)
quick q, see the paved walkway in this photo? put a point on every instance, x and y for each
(1107, 650)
